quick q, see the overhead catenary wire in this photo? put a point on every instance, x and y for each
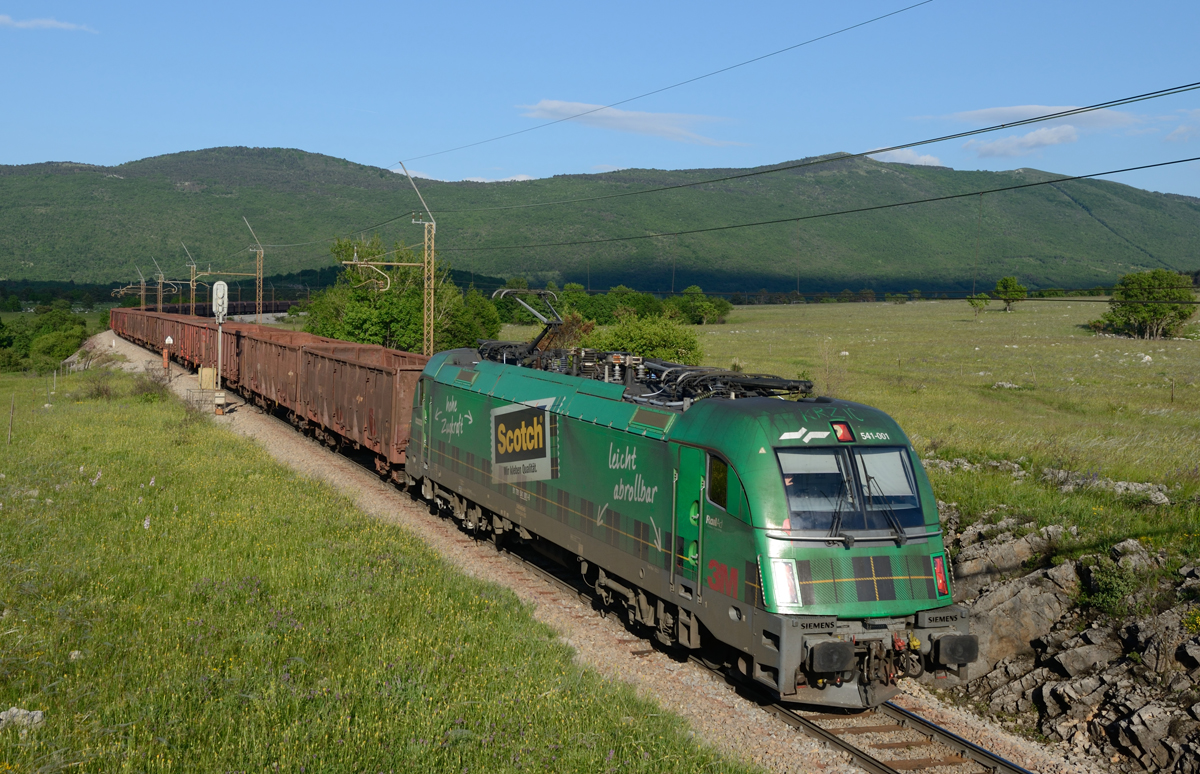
(672, 86)
(1159, 93)
(798, 218)
(847, 156)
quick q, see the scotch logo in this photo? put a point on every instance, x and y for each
(521, 444)
(520, 436)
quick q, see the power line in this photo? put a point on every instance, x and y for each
(856, 210)
(672, 86)
(844, 157)
(826, 160)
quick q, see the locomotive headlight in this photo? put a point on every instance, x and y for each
(783, 576)
(842, 432)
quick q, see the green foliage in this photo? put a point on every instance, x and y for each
(652, 337)
(1171, 293)
(1191, 621)
(259, 622)
(367, 307)
(695, 308)
(1009, 291)
(93, 222)
(40, 341)
(1108, 584)
(979, 302)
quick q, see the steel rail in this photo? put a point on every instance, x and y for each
(950, 739)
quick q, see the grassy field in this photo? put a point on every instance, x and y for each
(174, 600)
(1084, 403)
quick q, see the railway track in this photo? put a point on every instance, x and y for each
(885, 740)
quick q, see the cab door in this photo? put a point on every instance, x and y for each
(426, 420)
(689, 498)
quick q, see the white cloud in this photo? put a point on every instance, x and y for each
(514, 178)
(42, 24)
(670, 126)
(1187, 130)
(1182, 133)
(1023, 145)
(1097, 119)
(908, 156)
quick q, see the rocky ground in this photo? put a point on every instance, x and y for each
(1114, 694)
(717, 715)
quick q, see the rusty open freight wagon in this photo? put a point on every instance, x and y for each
(343, 393)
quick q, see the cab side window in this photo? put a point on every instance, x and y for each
(718, 481)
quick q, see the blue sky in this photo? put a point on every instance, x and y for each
(377, 83)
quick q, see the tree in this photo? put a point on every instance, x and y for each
(1170, 294)
(657, 337)
(693, 307)
(979, 303)
(357, 309)
(1009, 291)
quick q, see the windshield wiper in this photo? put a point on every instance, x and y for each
(888, 512)
(835, 529)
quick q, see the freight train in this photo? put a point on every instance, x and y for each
(792, 539)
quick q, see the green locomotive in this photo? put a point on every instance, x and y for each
(795, 539)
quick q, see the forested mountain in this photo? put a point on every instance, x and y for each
(68, 221)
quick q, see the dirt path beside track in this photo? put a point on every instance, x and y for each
(717, 715)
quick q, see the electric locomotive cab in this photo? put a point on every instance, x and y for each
(855, 580)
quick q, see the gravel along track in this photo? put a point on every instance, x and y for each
(717, 714)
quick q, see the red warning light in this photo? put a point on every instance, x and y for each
(939, 575)
(843, 432)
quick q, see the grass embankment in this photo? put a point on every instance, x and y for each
(231, 616)
(1085, 403)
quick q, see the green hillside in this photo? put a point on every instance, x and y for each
(87, 223)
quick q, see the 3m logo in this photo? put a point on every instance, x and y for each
(722, 579)
(521, 444)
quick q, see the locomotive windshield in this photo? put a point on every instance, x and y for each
(838, 490)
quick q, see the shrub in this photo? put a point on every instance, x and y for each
(1171, 294)
(1107, 585)
(979, 302)
(693, 307)
(1009, 291)
(150, 386)
(651, 337)
(97, 385)
(358, 309)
